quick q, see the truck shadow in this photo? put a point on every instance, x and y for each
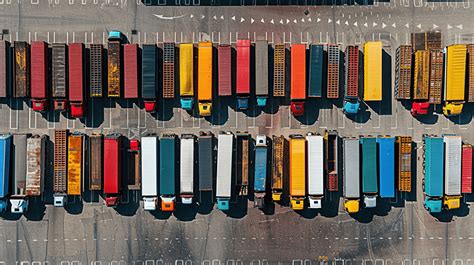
(185, 212)
(36, 209)
(164, 110)
(220, 113)
(73, 205)
(465, 117)
(238, 209)
(206, 203)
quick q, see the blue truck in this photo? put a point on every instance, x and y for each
(260, 176)
(5, 150)
(433, 168)
(386, 166)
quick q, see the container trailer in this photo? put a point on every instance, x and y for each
(316, 71)
(278, 162)
(243, 142)
(225, 143)
(279, 70)
(421, 71)
(130, 70)
(242, 86)
(333, 71)
(59, 74)
(298, 79)
(167, 172)
(205, 161)
(386, 167)
(466, 174)
(331, 155)
(452, 171)
(260, 172)
(5, 162)
(351, 93)
(60, 168)
(39, 75)
(168, 70)
(133, 159)
(403, 72)
(149, 74)
(18, 198)
(186, 75)
(297, 171)
(186, 168)
(369, 170)
(261, 72)
(315, 165)
(149, 168)
(113, 67)
(76, 79)
(436, 76)
(433, 169)
(35, 165)
(205, 78)
(21, 69)
(5, 68)
(373, 71)
(112, 169)
(75, 164)
(454, 79)
(351, 175)
(95, 70)
(96, 161)
(404, 147)
(470, 73)
(225, 69)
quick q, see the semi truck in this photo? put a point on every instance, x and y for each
(167, 172)
(59, 74)
(404, 148)
(279, 70)
(433, 169)
(5, 68)
(168, 70)
(351, 175)
(316, 71)
(95, 70)
(130, 70)
(242, 86)
(96, 155)
(369, 170)
(186, 168)
(278, 162)
(5, 162)
(35, 165)
(297, 171)
(454, 79)
(373, 71)
(149, 76)
(186, 75)
(39, 75)
(298, 79)
(403, 72)
(76, 79)
(75, 164)
(421, 72)
(149, 169)
(315, 165)
(112, 169)
(18, 198)
(261, 72)
(466, 174)
(243, 143)
(225, 69)
(133, 160)
(21, 69)
(332, 155)
(114, 64)
(351, 93)
(60, 168)
(452, 171)
(205, 162)
(260, 172)
(205, 78)
(386, 167)
(436, 76)
(333, 71)
(225, 146)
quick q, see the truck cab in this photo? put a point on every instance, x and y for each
(167, 204)
(452, 202)
(370, 201)
(59, 200)
(351, 107)
(187, 103)
(297, 204)
(112, 201)
(39, 105)
(315, 202)
(77, 110)
(351, 206)
(205, 108)
(297, 108)
(223, 204)
(432, 205)
(19, 205)
(115, 35)
(419, 108)
(452, 109)
(242, 103)
(149, 203)
(150, 106)
(261, 101)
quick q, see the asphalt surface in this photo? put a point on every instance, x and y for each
(397, 232)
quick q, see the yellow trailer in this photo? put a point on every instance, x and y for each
(297, 171)
(373, 71)
(454, 79)
(75, 164)
(186, 88)
(205, 78)
(421, 75)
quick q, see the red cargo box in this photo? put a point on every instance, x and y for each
(39, 74)
(76, 72)
(112, 158)
(225, 64)
(130, 57)
(243, 66)
(466, 186)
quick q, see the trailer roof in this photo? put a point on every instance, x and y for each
(149, 166)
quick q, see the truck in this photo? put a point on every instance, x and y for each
(149, 170)
(404, 148)
(168, 70)
(59, 74)
(452, 171)
(427, 40)
(278, 162)
(351, 175)
(260, 172)
(39, 75)
(113, 65)
(243, 143)
(133, 165)
(60, 168)
(454, 79)
(205, 78)
(186, 167)
(205, 162)
(21, 69)
(315, 165)
(466, 173)
(403, 72)
(186, 75)
(316, 71)
(369, 170)
(279, 70)
(436, 76)
(386, 167)
(351, 93)
(35, 165)
(225, 146)
(331, 155)
(373, 71)
(420, 104)
(167, 172)
(112, 169)
(470, 73)
(333, 71)
(149, 74)
(5, 162)
(224, 54)
(130, 70)
(242, 85)
(76, 79)
(261, 72)
(5, 68)
(75, 164)
(95, 70)
(96, 166)
(298, 79)
(297, 171)
(433, 169)
(18, 198)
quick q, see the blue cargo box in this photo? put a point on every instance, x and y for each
(434, 166)
(387, 167)
(316, 60)
(167, 165)
(5, 150)
(260, 169)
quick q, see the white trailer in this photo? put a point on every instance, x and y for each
(149, 172)
(452, 161)
(225, 142)
(186, 167)
(315, 162)
(351, 174)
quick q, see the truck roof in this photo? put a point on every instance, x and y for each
(205, 71)
(333, 71)
(130, 71)
(167, 164)
(224, 164)
(112, 169)
(186, 165)
(433, 166)
(351, 168)
(261, 67)
(186, 71)
(421, 75)
(298, 71)
(149, 166)
(297, 165)
(75, 164)
(168, 69)
(387, 166)
(315, 165)
(59, 70)
(76, 72)
(96, 69)
(225, 69)
(369, 164)
(243, 66)
(373, 71)
(452, 169)
(316, 68)
(5, 154)
(260, 164)
(455, 72)
(96, 160)
(60, 161)
(39, 69)
(352, 72)
(279, 70)
(21, 84)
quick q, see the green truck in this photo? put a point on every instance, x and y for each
(369, 170)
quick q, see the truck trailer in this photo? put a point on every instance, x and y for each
(278, 162)
(433, 169)
(21, 69)
(35, 165)
(454, 79)
(225, 146)
(167, 172)
(421, 72)
(242, 85)
(315, 165)
(436, 76)
(205, 78)
(332, 154)
(224, 54)
(186, 75)
(206, 162)
(260, 177)
(149, 167)
(39, 75)
(112, 169)
(316, 71)
(403, 72)
(369, 170)
(466, 177)
(76, 79)
(404, 149)
(113, 66)
(96, 70)
(75, 164)
(5, 168)
(298, 79)
(373, 71)
(452, 171)
(186, 167)
(18, 198)
(333, 71)
(386, 167)
(59, 74)
(168, 70)
(351, 93)
(149, 76)
(130, 70)
(96, 161)
(60, 168)
(5, 68)
(279, 70)
(261, 72)
(351, 175)
(297, 171)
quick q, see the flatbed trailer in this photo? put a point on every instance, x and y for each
(278, 162)
(225, 69)
(35, 165)
(436, 76)
(133, 165)
(316, 71)
(421, 75)
(168, 70)
(243, 142)
(279, 70)
(39, 75)
(60, 167)
(59, 74)
(404, 150)
(403, 72)
(261, 72)
(351, 91)
(333, 71)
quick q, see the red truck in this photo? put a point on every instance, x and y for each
(298, 79)
(466, 173)
(112, 169)
(76, 79)
(243, 74)
(39, 75)
(130, 58)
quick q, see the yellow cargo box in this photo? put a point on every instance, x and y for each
(455, 77)
(205, 78)
(373, 71)
(186, 69)
(297, 171)
(74, 164)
